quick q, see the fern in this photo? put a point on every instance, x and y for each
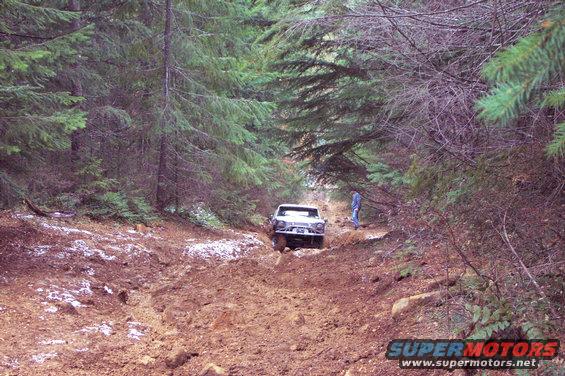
(117, 205)
(488, 321)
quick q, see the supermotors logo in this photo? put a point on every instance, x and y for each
(452, 354)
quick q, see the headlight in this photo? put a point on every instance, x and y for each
(320, 226)
(281, 224)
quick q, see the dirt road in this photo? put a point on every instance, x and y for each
(82, 298)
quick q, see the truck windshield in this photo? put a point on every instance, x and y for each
(285, 211)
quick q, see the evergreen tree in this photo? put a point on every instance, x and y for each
(520, 73)
(36, 45)
(332, 101)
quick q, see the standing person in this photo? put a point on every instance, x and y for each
(355, 207)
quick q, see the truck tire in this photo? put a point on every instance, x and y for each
(322, 243)
(279, 243)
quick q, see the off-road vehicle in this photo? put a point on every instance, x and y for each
(297, 226)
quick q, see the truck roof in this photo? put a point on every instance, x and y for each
(298, 206)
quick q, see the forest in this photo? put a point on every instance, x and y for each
(447, 116)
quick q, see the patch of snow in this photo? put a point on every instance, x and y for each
(40, 250)
(108, 290)
(223, 249)
(80, 246)
(84, 288)
(53, 342)
(64, 296)
(83, 349)
(301, 252)
(51, 309)
(104, 328)
(123, 237)
(41, 358)
(23, 216)
(88, 270)
(152, 236)
(133, 331)
(129, 248)
(56, 293)
(105, 256)
(66, 230)
(9, 362)
(375, 235)
(135, 334)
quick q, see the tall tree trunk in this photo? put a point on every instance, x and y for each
(76, 90)
(163, 143)
(176, 174)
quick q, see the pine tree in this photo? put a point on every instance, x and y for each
(520, 73)
(331, 100)
(36, 45)
(210, 115)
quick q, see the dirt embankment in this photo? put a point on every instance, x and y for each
(80, 298)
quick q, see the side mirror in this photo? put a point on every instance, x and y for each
(325, 220)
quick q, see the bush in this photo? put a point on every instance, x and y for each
(202, 215)
(118, 205)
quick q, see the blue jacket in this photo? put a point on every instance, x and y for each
(356, 203)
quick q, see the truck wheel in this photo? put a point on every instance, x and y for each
(322, 243)
(279, 243)
(269, 230)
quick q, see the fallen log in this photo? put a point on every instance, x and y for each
(45, 213)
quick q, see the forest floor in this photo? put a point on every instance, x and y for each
(83, 298)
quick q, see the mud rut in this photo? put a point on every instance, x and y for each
(95, 299)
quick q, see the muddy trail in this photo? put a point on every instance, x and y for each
(84, 298)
